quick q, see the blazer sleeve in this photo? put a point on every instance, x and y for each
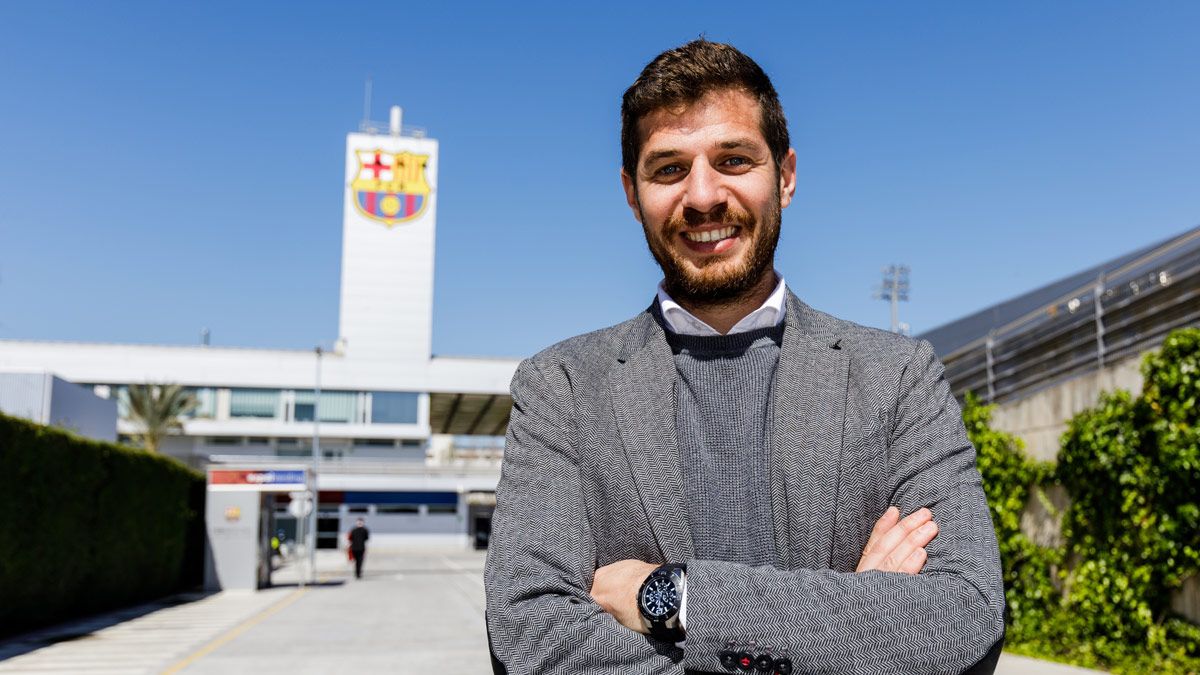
(541, 555)
(942, 620)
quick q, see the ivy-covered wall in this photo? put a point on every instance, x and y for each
(1131, 532)
(87, 525)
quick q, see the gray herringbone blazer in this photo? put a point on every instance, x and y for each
(862, 419)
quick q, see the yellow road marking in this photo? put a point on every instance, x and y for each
(235, 631)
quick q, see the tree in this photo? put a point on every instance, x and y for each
(158, 409)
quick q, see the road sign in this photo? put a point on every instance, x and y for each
(301, 504)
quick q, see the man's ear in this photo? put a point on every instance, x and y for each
(787, 178)
(631, 195)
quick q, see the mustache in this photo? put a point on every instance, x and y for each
(724, 215)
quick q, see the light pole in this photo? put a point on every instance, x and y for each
(316, 460)
(894, 289)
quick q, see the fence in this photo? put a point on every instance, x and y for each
(1124, 311)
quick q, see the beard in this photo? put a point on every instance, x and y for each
(716, 280)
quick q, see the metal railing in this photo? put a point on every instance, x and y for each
(1121, 313)
(384, 129)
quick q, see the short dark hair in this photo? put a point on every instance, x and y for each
(682, 76)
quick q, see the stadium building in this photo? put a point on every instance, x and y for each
(410, 441)
(1045, 355)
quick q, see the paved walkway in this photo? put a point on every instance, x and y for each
(416, 613)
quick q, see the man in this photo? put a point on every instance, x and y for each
(358, 545)
(717, 484)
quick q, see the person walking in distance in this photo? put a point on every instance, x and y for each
(358, 545)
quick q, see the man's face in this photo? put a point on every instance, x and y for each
(709, 196)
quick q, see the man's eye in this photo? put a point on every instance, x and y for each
(737, 161)
(669, 170)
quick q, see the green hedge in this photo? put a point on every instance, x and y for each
(87, 526)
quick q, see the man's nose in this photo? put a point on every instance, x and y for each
(704, 189)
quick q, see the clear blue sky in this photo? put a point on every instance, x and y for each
(170, 166)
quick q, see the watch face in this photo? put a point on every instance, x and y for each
(660, 598)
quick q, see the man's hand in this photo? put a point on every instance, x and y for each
(899, 545)
(615, 589)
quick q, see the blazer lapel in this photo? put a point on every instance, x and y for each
(643, 391)
(809, 406)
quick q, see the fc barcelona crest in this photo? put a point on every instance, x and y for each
(390, 187)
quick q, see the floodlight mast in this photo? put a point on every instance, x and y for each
(894, 289)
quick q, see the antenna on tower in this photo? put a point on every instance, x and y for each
(366, 120)
(894, 288)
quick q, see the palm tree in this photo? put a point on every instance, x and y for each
(157, 408)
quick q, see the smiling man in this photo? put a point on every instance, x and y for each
(731, 480)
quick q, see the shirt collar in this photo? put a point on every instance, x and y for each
(683, 322)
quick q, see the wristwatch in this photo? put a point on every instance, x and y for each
(659, 599)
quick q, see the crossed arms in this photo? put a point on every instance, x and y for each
(541, 568)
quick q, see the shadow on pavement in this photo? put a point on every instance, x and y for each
(84, 628)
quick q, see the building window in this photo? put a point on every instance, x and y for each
(262, 403)
(398, 508)
(224, 440)
(336, 406)
(122, 393)
(207, 399)
(374, 443)
(411, 443)
(394, 407)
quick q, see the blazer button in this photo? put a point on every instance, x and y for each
(728, 659)
(745, 662)
(783, 666)
(763, 663)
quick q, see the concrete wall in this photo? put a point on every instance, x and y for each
(1041, 418)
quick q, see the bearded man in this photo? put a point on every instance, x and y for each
(731, 480)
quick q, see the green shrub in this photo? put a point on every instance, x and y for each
(88, 525)
(1009, 478)
(1131, 466)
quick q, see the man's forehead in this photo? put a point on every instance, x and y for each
(731, 108)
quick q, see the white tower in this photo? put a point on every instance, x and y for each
(387, 245)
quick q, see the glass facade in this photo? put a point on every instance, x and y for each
(122, 394)
(336, 406)
(263, 403)
(394, 407)
(207, 398)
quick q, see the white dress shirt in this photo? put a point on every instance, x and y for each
(683, 322)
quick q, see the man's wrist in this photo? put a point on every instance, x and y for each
(660, 602)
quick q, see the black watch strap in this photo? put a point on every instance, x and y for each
(668, 629)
